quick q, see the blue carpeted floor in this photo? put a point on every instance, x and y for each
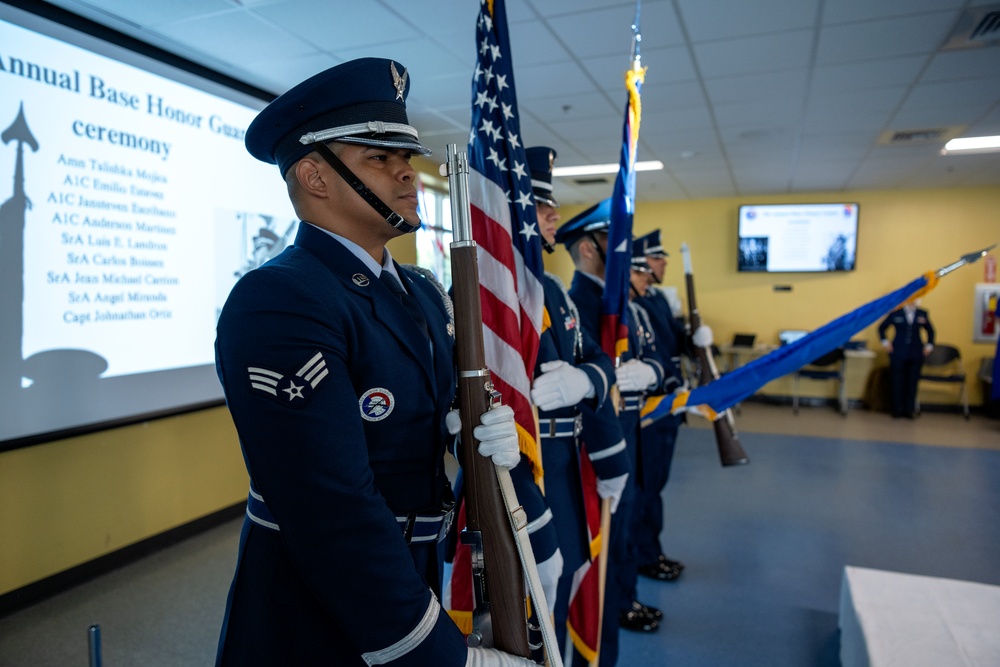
(766, 544)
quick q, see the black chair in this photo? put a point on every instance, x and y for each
(830, 366)
(944, 365)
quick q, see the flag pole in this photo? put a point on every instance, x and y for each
(635, 59)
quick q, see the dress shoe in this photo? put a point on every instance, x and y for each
(676, 564)
(637, 621)
(650, 612)
(659, 571)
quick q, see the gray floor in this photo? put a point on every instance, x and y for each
(162, 611)
(765, 545)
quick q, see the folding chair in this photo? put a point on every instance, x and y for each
(944, 365)
(830, 366)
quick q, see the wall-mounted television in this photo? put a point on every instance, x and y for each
(128, 208)
(803, 238)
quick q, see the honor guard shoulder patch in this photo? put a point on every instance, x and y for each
(376, 404)
(291, 389)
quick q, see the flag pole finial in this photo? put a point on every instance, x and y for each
(968, 258)
(636, 37)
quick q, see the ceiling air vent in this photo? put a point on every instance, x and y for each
(591, 181)
(927, 135)
(976, 27)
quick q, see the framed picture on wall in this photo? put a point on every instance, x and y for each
(986, 323)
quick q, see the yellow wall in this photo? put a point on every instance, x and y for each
(70, 501)
(67, 502)
(902, 234)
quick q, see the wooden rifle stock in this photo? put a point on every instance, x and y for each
(500, 621)
(728, 443)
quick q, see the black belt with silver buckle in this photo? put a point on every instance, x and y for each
(417, 526)
(632, 402)
(560, 427)
(426, 526)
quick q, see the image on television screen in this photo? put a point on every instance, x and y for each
(753, 253)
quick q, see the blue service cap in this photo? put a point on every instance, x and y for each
(541, 159)
(361, 101)
(639, 262)
(651, 244)
(597, 218)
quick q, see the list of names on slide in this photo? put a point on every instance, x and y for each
(116, 227)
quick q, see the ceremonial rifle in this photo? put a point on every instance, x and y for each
(496, 526)
(728, 443)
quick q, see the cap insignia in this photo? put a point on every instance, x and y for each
(398, 81)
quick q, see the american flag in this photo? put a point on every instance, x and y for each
(504, 224)
(614, 306)
(505, 228)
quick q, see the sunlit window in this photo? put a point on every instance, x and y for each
(435, 235)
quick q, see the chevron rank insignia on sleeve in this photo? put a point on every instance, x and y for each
(292, 390)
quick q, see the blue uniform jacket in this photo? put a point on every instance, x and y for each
(906, 342)
(339, 404)
(670, 336)
(602, 431)
(566, 341)
(587, 294)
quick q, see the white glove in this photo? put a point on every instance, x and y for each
(453, 422)
(613, 489)
(490, 657)
(560, 385)
(497, 436)
(635, 375)
(702, 336)
(549, 572)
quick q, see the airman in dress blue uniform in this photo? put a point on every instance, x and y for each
(640, 370)
(337, 369)
(573, 380)
(906, 354)
(660, 437)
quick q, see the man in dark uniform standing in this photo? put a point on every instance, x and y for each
(337, 369)
(906, 354)
(585, 236)
(573, 380)
(660, 437)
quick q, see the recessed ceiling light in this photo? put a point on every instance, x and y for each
(968, 145)
(594, 169)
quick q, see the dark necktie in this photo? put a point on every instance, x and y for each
(409, 303)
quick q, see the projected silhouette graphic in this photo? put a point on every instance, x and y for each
(51, 376)
(12, 220)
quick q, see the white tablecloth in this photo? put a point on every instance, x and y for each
(890, 619)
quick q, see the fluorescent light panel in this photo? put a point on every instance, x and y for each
(972, 145)
(595, 169)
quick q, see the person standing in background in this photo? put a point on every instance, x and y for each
(906, 354)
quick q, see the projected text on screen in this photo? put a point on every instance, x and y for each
(129, 209)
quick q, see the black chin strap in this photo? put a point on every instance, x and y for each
(600, 251)
(547, 247)
(390, 216)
